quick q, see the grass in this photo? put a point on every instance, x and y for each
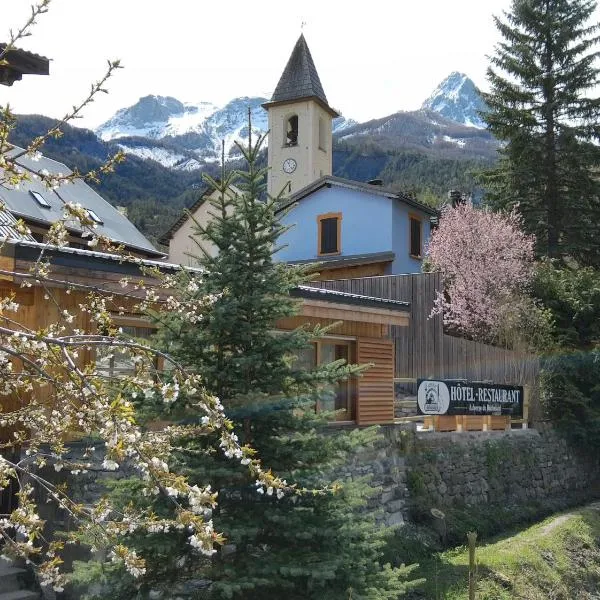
(557, 559)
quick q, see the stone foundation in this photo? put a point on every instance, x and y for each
(514, 469)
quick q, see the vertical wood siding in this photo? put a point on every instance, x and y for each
(423, 349)
(375, 387)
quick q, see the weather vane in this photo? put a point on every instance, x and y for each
(302, 24)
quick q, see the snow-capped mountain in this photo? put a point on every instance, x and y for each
(457, 99)
(422, 130)
(189, 134)
(192, 127)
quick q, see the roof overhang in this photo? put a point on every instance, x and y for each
(328, 181)
(332, 304)
(336, 262)
(334, 113)
(324, 309)
(78, 258)
(21, 62)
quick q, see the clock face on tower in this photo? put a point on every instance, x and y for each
(289, 165)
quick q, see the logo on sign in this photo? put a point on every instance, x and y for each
(433, 398)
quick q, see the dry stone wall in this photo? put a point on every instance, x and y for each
(518, 470)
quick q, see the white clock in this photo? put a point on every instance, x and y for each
(289, 165)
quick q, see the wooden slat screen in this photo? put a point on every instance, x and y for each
(375, 388)
(424, 350)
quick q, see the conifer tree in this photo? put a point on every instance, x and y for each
(541, 77)
(298, 546)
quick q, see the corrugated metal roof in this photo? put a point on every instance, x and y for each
(22, 204)
(8, 228)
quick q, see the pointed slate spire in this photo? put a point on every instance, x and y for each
(300, 79)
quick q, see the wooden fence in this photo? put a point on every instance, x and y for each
(423, 350)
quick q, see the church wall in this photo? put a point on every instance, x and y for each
(312, 162)
(181, 244)
(366, 223)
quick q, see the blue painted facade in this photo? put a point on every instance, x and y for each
(371, 223)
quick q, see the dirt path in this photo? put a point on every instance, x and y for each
(563, 519)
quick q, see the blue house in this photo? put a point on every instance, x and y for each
(354, 229)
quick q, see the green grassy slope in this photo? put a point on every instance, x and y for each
(557, 559)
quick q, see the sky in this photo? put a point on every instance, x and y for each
(374, 58)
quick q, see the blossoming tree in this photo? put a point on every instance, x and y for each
(487, 264)
(36, 427)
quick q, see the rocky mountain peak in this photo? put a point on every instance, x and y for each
(457, 98)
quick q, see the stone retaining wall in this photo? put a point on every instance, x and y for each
(517, 468)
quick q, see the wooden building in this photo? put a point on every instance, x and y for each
(361, 336)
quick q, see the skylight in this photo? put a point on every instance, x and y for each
(94, 216)
(40, 199)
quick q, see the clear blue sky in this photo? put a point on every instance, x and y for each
(374, 57)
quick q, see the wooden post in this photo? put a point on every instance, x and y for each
(472, 539)
(526, 398)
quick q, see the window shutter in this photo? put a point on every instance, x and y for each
(329, 231)
(375, 402)
(415, 237)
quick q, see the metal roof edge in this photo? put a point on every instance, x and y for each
(96, 254)
(307, 291)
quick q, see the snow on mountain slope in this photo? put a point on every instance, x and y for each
(197, 128)
(165, 157)
(457, 99)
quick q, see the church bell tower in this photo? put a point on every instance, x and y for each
(300, 126)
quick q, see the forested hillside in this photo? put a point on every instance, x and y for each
(154, 195)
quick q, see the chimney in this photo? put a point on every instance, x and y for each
(456, 197)
(375, 182)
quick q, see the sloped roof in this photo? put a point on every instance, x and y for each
(8, 228)
(21, 203)
(21, 62)
(300, 79)
(374, 190)
(167, 236)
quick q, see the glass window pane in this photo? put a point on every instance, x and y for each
(306, 358)
(340, 396)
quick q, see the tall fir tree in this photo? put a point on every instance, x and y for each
(541, 77)
(321, 542)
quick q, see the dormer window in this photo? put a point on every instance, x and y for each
(94, 217)
(291, 131)
(329, 233)
(40, 199)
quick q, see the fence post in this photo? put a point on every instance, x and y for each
(526, 397)
(472, 539)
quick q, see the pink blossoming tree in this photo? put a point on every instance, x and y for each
(487, 264)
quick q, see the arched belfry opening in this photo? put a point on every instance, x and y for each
(291, 131)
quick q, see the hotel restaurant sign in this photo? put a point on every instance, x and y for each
(459, 397)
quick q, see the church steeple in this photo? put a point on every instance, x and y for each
(300, 79)
(300, 124)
